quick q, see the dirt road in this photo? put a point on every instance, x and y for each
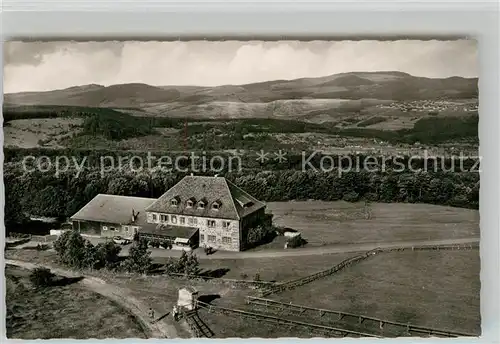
(318, 250)
(123, 297)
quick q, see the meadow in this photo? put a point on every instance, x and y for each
(67, 311)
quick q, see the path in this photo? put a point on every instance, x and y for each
(304, 251)
(318, 250)
(121, 296)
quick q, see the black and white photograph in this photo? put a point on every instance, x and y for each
(241, 189)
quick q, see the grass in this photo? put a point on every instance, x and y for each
(62, 312)
(439, 289)
(323, 223)
(279, 269)
(428, 288)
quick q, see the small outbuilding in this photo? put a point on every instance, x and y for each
(187, 298)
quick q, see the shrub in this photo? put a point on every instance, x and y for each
(139, 259)
(296, 241)
(74, 250)
(351, 196)
(187, 264)
(257, 277)
(42, 247)
(260, 235)
(243, 276)
(107, 255)
(41, 277)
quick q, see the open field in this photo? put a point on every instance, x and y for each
(279, 269)
(326, 223)
(36, 132)
(63, 312)
(441, 297)
(428, 288)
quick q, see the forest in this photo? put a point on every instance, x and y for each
(44, 194)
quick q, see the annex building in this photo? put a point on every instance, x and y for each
(198, 210)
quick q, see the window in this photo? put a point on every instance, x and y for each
(164, 218)
(173, 219)
(126, 229)
(154, 217)
(189, 203)
(190, 220)
(112, 229)
(104, 228)
(201, 205)
(211, 238)
(216, 205)
(226, 224)
(226, 240)
(182, 220)
(174, 202)
(211, 223)
(202, 237)
(195, 221)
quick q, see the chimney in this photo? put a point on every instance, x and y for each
(134, 215)
(192, 174)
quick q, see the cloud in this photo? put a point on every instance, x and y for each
(40, 66)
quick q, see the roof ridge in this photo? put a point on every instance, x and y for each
(232, 198)
(243, 191)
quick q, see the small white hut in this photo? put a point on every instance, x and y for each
(187, 298)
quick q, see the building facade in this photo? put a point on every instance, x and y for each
(221, 211)
(111, 215)
(199, 210)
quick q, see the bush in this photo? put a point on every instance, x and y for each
(41, 277)
(76, 252)
(107, 255)
(351, 196)
(42, 247)
(139, 259)
(187, 264)
(260, 235)
(296, 241)
(257, 277)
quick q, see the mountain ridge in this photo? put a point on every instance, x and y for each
(255, 99)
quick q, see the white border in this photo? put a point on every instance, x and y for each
(99, 20)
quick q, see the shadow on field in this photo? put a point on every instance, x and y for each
(156, 268)
(208, 298)
(217, 273)
(64, 281)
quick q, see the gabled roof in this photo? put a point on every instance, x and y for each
(114, 209)
(234, 202)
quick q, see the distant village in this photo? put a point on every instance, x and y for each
(430, 106)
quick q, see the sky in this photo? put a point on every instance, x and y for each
(43, 66)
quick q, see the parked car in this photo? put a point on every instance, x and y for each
(121, 241)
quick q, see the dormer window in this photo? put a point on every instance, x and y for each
(190, 202)
(201, 204)
(216, 205)
(174, 202)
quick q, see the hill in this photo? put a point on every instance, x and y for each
(324, 99)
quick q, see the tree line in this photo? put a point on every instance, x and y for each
(45, 194)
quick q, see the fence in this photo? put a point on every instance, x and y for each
(196, 325)
(279, 320)
(381, 324)
(349, 261)
(260, 284)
